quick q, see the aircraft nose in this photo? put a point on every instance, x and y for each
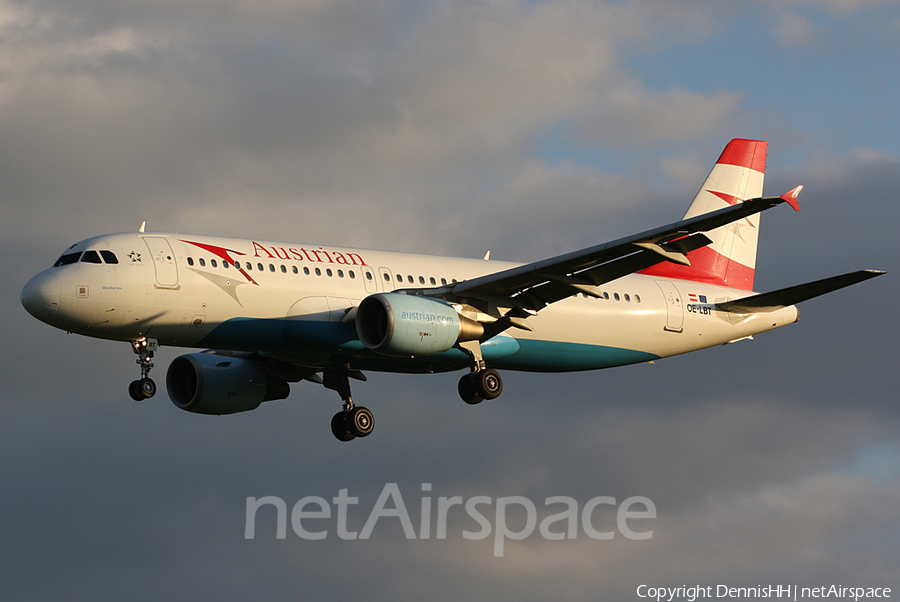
(40, 296)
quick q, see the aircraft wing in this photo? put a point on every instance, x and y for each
(531, 287)
(795, 294)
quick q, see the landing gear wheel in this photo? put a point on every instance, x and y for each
(488, 383)
(148, 387)
(467, 390)
(360, 421)
(134, 389)
(142, 389)
(340, 427)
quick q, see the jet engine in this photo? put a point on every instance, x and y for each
(407, 325)
(205, 383)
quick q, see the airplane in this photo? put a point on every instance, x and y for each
(269, 314)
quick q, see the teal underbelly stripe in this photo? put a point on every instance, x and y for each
(531, 355)
(556, 356)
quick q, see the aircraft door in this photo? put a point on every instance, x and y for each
(386, 278)
(369, 277)
(163, 261)
(674, 307)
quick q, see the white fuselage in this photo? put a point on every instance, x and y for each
(289, 302)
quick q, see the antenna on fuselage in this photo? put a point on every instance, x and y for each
(143, 224)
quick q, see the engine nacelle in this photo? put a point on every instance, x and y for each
(217, 384)
(406, 325)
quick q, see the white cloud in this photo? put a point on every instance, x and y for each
(796, 31)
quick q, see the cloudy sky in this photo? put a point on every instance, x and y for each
(526, 128)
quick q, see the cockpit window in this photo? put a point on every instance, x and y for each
(67, 258)
(109, 257)
(91, 257)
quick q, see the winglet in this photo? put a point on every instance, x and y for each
(791, 197)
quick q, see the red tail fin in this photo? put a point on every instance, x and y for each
(731, 258)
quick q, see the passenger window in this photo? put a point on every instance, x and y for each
(616, 296)
(627, 297)
(190, 261)
(202, 263)
(110, 257)
(283, 269)
(387, 278)
(433, 281)
(340, 273)
(444, 281)
(213, 263)
(225, 264)
(91, 257)
(352, 274)
(271, 268)
(295, 270)
(328, 271)
(410, 279)
(306, 271)
(637, 298)
(421, 279)
(318, 272)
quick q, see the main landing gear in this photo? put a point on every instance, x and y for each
(352, 421)
(479, 385)
(144, 388)
(482, 382)
(356, 421)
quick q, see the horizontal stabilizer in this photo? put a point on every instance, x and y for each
(795, 294)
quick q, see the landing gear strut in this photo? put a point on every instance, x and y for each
(482, 382)
(144, 388)
(352, 421)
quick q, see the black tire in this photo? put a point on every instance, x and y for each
(468, 391)
(361, 421)
(147, 387)
(134, 389)
(488, 384)
(339, 427)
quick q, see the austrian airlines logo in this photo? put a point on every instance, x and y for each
(731, 200)
(224, 254)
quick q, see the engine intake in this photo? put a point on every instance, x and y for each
(215, 384)
(406, 325)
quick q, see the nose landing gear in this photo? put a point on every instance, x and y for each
(144, 388)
